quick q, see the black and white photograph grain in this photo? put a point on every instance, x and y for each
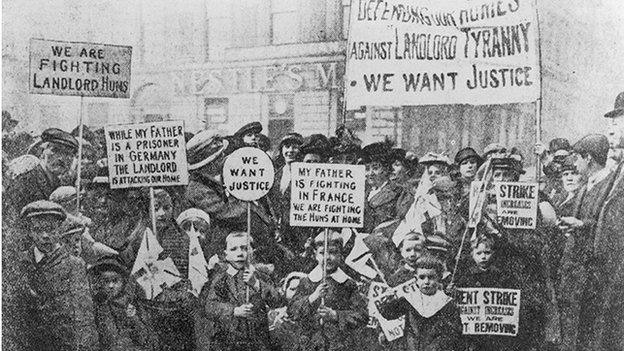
(312, 175)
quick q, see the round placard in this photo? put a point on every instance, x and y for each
(248, 174)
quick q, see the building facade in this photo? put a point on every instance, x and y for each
(219, 64)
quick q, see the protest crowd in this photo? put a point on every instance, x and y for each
(79, 273)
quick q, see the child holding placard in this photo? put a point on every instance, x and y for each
(330, 311)
(484, 273)
(432, 318)
(241, 323)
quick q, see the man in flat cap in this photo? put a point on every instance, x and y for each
(381, 193)
(249, 134)
(36, 178)
(57, 298)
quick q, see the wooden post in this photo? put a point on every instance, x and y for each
(79, 170)
(248, 245)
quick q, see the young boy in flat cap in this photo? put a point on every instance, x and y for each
(57, 298)
(330, 311)
(239, 298)
(432, 318)
(120, 319)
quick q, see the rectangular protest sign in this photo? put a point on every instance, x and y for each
(377, 294)
(516, 204)
(489, 311)
(79, 69)
(327, 195)
(431, 52)
(146, 154)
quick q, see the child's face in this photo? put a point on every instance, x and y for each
(236, 252)
(163, 208)
(427, 281)
(44, 232)
(111, 284)
(334, 257)
(411, 251)
(292, 288)
(482, 254)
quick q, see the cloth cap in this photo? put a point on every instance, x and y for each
(567, 164)
(397, 154)
(43, 208)
(63, 194)
(508, 161)
(204, 148)
(618, 108)
(109, 263)
(315, 144)
(433, 158)
(377, 152)
(193, 213)
(57, 136)
(333, 239)
(467, 153)
(292, 138)
(493, 148)
(254, 127)
(596, 145)
(437, 243)
(559, 144)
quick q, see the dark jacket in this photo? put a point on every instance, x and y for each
(440, 332)
(60, 309)
(230, 214)
(122, 323)
(232, 333)
(382, 206)
(340, 334)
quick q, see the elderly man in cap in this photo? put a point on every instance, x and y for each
(206, 153)
(382, 194)
(249, 134)
(57, 296)
(36, 178)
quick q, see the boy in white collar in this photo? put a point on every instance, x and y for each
(329, 312)
(433, 321)
(240, 323)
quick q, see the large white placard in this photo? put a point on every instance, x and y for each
(79, 69)
(430, 52)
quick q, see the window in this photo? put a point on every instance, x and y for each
(215, 110)
(281, 115)
(284, 21)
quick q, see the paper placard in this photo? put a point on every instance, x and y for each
(516, 204)
(79, 69)
(146, 154)
(432, 52)
(327, 195)
(489, 311)
(248, 174)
